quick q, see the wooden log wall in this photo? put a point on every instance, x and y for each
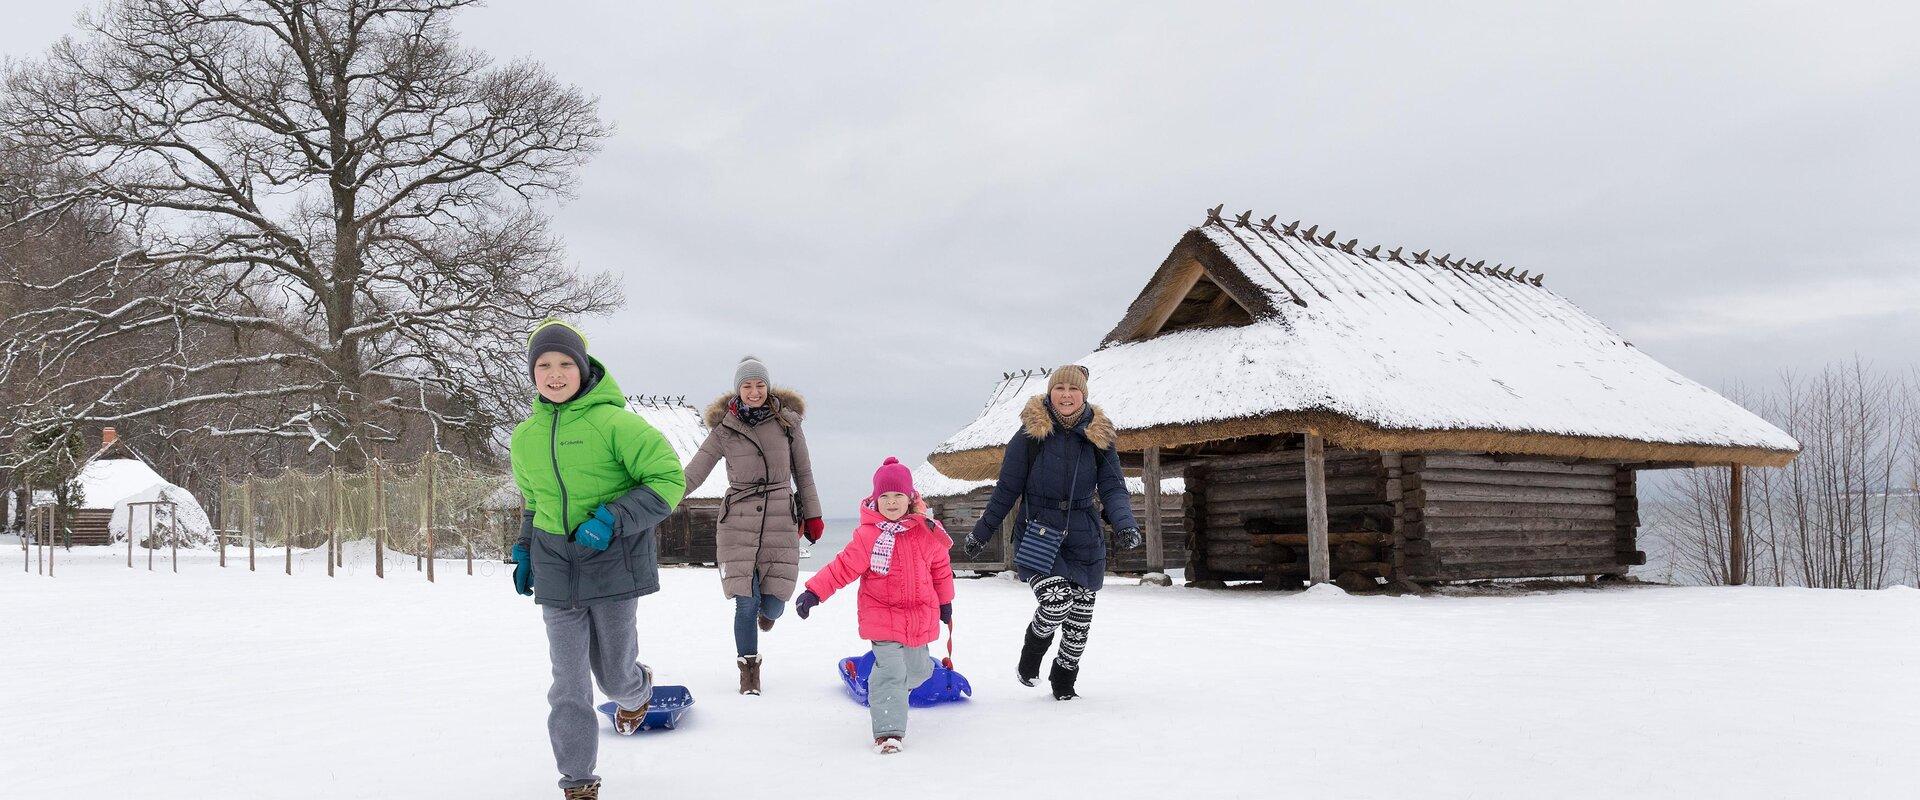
(1469, 517)
(1246, 516)
(687, 535)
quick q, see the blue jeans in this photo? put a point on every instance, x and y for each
(746, 613)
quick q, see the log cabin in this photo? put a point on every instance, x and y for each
(1385, 415)
(686, 536)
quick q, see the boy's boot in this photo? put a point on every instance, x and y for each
(1062, 680)
(1030, 655)
(627, 723)
(590, 791)
(749, 674)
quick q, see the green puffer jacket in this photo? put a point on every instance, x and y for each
(572, 458)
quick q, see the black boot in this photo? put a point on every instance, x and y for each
(1030, 655)
(1062, 680)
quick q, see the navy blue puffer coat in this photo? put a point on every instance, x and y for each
(1061, 473)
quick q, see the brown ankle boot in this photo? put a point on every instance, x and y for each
(590, 791)
(749, 674)
(626, 723)
(766, 624)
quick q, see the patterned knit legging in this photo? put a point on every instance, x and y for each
(1068, 607)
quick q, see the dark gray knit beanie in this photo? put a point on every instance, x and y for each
(750, 369)
(554, 336)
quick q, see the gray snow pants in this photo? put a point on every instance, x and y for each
(897, 669)
(594, 642)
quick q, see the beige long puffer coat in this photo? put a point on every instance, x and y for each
(770, 491)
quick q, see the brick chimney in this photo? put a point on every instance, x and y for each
(108, 436)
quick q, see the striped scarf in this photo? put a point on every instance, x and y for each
(882, 560)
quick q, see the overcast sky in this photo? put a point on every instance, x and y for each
(892, 205)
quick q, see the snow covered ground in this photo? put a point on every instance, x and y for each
(124, 683)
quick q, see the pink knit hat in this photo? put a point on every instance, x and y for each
(892, 476)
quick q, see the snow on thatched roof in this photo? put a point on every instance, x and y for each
(682, 426)
(1250, 328)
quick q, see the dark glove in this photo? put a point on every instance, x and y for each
(982, 534)
(815, 527)
(597, 531)
(975, 548)
(805, 602)
(522, 570)
(946, 613)
(1128, 539)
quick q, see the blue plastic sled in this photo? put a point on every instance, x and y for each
(944, 686)
(670, 703)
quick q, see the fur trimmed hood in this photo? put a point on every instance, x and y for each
(1038, 422)
(791, 407)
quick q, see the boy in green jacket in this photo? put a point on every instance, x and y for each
(596, 479)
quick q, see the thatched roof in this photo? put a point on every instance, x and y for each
(684, 429)
(1249, 328)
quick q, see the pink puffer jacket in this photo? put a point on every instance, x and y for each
(904, 604)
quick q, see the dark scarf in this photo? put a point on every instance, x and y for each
(753, 416)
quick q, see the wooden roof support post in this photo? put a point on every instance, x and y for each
(1318, 561)
(1150, 475)
(1736, 527)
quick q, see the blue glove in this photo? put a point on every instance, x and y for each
(805, 602)
(1128, 539)
(597, 531)
(946, 613)
(522, 570)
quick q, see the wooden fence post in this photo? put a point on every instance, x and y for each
(1150, 476)
(380, 521)
(131, 512)
(1318, 560)
(1736, 527)
(151, 545)
(173, 534)
(426, 516)
(220, 529)
(286, 534)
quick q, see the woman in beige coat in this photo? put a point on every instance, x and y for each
(770, 503)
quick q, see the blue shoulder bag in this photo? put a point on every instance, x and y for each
(1040, 544)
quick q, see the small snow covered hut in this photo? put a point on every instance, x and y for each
(1338, 409)
(686, 537)
(112, 481)
(959, 504)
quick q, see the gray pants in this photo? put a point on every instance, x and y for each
(585, 644)
(897, 669)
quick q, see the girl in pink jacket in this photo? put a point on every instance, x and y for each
(899, 555)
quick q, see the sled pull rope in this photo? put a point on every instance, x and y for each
(948, 661)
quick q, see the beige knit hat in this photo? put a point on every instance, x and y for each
(1072, 375)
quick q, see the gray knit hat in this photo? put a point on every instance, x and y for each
(750, 369)
(555, 336)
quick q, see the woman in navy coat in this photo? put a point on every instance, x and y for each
(1059, 464)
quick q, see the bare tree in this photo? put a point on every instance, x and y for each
(1836, 516)
(342, 205)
